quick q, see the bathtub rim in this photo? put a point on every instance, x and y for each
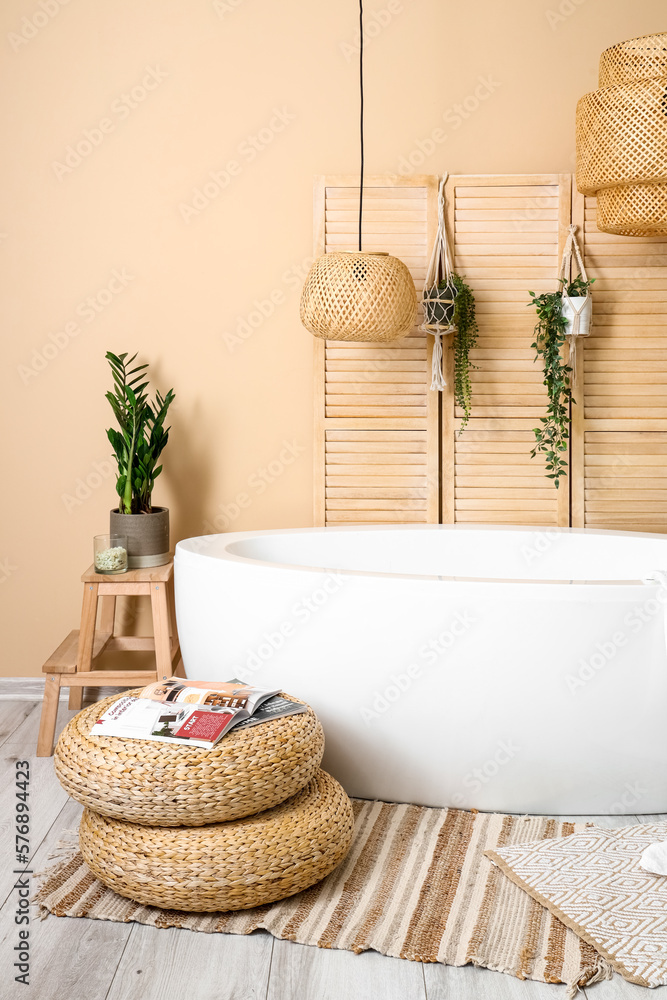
(188, 551)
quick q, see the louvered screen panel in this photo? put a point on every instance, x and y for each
(507, 233)
(376, 427)
(620, 442)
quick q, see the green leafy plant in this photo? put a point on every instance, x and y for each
(465, 338)
(142, 436)
(576, 287)
(552, 437)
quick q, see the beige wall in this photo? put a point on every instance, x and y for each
(170, 91)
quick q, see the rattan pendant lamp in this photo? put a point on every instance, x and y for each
(359, 296)
(622, 138)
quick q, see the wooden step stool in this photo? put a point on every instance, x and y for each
(74, 662)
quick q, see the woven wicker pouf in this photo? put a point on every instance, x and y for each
(161, 785)
(226, 866)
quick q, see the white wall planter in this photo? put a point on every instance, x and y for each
(580, 306)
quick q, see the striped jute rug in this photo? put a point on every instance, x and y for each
(415, 885)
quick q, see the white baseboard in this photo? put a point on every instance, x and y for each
(32, 689)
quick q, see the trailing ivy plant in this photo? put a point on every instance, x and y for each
(142, 436)
(552, 437)
(465, 338)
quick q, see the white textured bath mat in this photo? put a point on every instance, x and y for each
(593, 882)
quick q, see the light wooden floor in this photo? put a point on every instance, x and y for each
(78, 959)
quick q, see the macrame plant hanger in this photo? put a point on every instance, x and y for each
(577, 309)
(439, 293)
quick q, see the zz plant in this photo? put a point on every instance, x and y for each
(142, 436)
(552, 437)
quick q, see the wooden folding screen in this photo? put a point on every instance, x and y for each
(619, 436)
(376, 426)
(507, 234)
(378, 457)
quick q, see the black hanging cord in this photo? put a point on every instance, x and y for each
(361, 121)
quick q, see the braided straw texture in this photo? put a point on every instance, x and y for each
(638, 59)
(158, 784)
(359, 297)
(226, 866)
(622, 135)
(633, 210)
(622, 138)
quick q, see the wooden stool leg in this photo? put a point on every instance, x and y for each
(75, 702)
(84, 656)
(107, 620)
(172, 609)
(176, 658)
(160, 608)
(108, 614)
(47, 724)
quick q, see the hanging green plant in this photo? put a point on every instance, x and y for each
(464, 340)
(552, 437)
(576, 288)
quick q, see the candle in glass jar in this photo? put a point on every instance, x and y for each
(110, 554)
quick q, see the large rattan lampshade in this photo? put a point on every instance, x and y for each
(359, 296)
(622, 138)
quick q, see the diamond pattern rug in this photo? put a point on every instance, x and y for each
(593, 883)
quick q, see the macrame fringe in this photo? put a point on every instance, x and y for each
(572, 359)
(597, 973)
(65, 849)
(437, 379)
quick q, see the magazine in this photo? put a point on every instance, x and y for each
(223, 694)
(189, 725)
(273, 708)
(192, 713)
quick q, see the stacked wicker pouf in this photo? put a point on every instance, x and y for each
(251, 821)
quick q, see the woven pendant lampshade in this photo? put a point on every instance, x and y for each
(622, 138)
(359, 296)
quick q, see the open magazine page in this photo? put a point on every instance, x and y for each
(186, 724)
(223, 694)
(276, 707)
(273, 708)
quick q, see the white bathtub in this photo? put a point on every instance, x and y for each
(509, 669)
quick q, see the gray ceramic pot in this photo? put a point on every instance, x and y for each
(147, 536)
